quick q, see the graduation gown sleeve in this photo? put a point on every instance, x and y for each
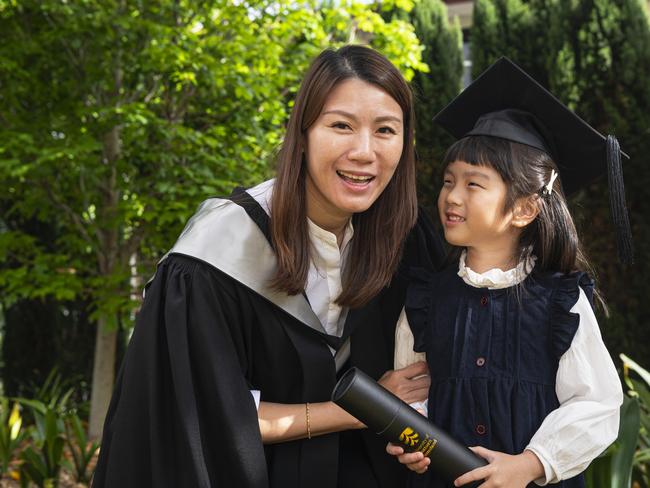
(182, 413)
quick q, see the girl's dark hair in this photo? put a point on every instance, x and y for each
(552, 236)
(379, 232)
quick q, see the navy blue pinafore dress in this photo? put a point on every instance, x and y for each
(493, 355)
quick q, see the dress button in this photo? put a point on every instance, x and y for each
(480, 361)
(480, 429)
(484, 301)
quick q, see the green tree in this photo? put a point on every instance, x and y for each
(595, 56)
(117, 118)
(443, 54)
(607, 55)
(519, 29)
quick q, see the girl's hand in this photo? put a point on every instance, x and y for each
(415, 461)
(409, 384)
(504, 470)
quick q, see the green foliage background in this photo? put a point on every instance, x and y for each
(595, 56)
(118, 117)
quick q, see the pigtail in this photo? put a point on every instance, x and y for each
(553, 235)
(555, 240)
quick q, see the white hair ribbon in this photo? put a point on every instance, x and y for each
(548, 189)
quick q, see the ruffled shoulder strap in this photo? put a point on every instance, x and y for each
(423, 247)
(422, 258)
(422, 288)
(564, 323)
(418, 302)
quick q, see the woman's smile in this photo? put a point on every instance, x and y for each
(354, 181)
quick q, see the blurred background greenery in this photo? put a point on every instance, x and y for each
(117, 118)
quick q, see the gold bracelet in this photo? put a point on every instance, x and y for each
(308, 424)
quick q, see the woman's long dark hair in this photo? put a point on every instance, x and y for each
(380, 231)
(552, 236)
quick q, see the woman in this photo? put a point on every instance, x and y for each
(267, 295)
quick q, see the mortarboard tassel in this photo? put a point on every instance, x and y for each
(617, 202)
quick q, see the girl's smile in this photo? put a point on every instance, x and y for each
(453, 218)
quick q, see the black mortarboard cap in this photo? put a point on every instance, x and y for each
(505, 102)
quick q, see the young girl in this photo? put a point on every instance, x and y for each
(517, 363)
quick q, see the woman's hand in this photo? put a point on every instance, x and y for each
(410, 384)
(415, 461)
(504, 470)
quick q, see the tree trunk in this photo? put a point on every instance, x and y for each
(103, 376)
(108, 262)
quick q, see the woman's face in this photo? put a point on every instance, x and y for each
(353, 149)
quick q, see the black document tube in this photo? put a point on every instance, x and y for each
(399, 423)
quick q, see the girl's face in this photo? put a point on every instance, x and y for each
(353, 149)
(471, 207)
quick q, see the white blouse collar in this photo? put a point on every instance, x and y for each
(327, 238)
(495, 278)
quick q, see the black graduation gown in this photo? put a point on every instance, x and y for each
(182, 414)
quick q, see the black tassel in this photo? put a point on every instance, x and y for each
(617, 202)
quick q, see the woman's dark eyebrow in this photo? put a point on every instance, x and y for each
(388, 118)
(383, 118)
(341, 112)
